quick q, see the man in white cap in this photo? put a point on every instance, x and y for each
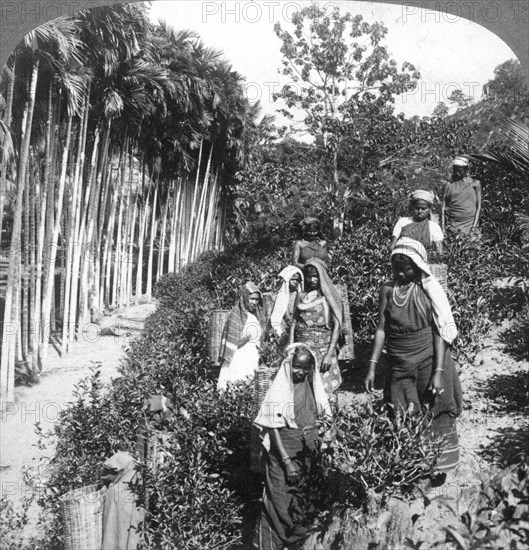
(461, 206)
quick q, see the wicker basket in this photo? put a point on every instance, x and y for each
(264, 377)
(82, 513)
(347, 350)
(216, 326)
(440, 272)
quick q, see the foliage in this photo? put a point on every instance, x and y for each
(343, 82)
(458, 98)
(440, 110)
(12, 522)
(503, 522)
(370, 451)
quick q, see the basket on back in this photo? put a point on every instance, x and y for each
(82, 514)
(347, 350)
(217, 321)
(264, 376)
(440, 272)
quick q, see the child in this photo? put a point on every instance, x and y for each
(419, 227)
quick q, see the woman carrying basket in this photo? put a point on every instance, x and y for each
(241, 338)
(419, 226)
(317, 322)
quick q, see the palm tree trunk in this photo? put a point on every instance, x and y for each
(92, 194)
(139, 263)
(192, 211)
(106, 270)
(117, 250)
(161, 248)
(3, 164)
(25, 272)
(200, 226)
(148, 290)
(7, 363)
(130, 258)
(77, 227)
(50, 279)
(32, 260)
(172, 230)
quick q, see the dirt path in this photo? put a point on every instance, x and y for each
(42, 402)
(495, 390)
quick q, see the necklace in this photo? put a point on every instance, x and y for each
(405, 297)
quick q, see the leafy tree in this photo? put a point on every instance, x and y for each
(458, 98)
(341, 71)
(441, 110)
(509, 80)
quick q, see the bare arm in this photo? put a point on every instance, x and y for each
(296, 251)
(327, 360)
(439, 355)
(380, 338)
(291, 334)
(478, 204)
(443, 206)
(291, 470)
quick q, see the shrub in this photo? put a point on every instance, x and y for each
(370, 452)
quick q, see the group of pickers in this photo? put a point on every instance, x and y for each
(415, 329)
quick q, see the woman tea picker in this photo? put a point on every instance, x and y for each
(288, 420)
(243, 332)
(283, 310)
(311, 246)
(419, 226)
(461, 205)
(317, 322)
(417, 326)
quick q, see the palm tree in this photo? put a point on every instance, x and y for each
(56, 37)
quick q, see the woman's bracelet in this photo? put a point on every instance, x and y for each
(286, 459)
(373, 361)
(439, 370)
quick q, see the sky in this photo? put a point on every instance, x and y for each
(450, 52)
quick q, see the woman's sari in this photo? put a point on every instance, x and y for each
(289, 509)
(410, 349)
(241, 363)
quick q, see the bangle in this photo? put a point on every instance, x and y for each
(286, 458)
(438, 370)
(373, 361)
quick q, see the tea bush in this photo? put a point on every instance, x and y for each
(369, 451)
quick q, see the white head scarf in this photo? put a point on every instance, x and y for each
(442, 312)
(283, 297)
(460, 161)
(277, 408)
(421, 194)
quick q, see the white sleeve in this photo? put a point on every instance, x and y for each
(436, 233)
(401, 222)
